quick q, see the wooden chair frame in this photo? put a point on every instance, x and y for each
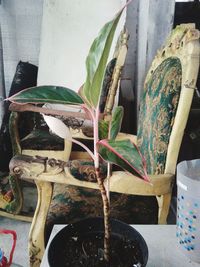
(183, 44)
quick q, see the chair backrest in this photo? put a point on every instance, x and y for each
(119, 57)
(166, 100)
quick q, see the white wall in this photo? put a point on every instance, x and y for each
(62, 57)
(68, 29)
(20, 24)
(155, 23)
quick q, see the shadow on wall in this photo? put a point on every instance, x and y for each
(25, 76)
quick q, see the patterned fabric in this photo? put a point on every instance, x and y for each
(85, 171)
(72, 203)
(157, 112)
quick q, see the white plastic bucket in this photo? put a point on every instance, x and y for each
(188, 208)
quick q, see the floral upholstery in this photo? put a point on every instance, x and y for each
(157, 111)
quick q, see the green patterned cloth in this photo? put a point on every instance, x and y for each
(157, 112)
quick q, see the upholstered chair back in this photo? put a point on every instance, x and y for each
(157, 112)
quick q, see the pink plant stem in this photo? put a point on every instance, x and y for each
(106, 211)
(100, 181)
(108, 181)
(96, 138)
(83, 146)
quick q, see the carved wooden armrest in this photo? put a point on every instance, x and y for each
(57, 171)
(123, 182)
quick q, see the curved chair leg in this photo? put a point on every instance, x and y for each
(36, 235)
(164, 204)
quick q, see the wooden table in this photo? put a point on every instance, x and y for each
(162, 245)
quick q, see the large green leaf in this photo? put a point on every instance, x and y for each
(47, 94)
(124, 154)
(116, 122)
(97, 59)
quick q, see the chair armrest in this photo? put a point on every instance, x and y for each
(123, 182)
(120, 182)
(56, 171)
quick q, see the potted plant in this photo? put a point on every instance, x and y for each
(120, 152)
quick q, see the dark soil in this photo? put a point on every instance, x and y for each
(87, 251)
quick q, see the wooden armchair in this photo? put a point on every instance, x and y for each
(164, 109)
(40, 142)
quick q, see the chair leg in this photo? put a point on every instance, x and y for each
(164, 204)
(36, 235)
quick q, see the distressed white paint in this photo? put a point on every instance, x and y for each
(68, 29)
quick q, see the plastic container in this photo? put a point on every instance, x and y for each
(188, 208)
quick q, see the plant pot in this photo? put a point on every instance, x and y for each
(81, 244)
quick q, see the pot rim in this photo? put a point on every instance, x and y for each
(127, 228)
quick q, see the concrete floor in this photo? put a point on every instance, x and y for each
(21, 252)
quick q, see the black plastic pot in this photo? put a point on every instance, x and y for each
(81, 244)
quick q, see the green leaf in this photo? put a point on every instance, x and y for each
(103, 129)
(47, 94)
(116, 122)
(81, 94)
(97, 59)
(124, 154)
